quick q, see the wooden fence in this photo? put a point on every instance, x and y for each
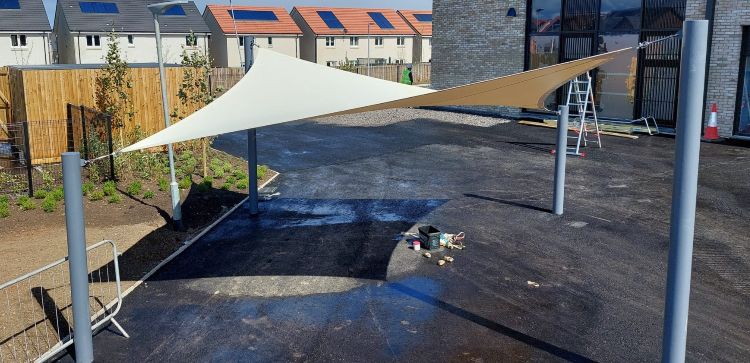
(421, 72)
(5, 105)
(222, 79)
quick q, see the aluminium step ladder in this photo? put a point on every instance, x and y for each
(582, 113)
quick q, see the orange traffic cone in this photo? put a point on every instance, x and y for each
(712, 129)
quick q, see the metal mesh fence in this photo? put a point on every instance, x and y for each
(36, 315)
(30, 150)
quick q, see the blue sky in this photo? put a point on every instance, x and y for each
(394, 4)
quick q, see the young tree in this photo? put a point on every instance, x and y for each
(113, 85)
(195, 89)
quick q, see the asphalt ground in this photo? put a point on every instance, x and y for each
(319, 276)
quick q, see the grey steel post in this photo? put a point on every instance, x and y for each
(79, 273)
(252, 146)
(685, 188)
(561, 153)
(173, 186)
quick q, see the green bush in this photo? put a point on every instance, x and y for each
(109, 188)
(231, 180)
(226, 186)
(227, 167)
(185, 183)
(4, 199)
(4, 210)
(219, 173)
(205, 186)
(49, 204)
(163, 185)
(26, 203)
(40, 194)
(242, 184)
(87, 188)
(96, 195)
(135, 188)
(57, 194)
(148, 194)
(239, 174)
(262, 170)
(185, 155)
(114, 199)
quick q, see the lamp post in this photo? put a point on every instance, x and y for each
(156, 10)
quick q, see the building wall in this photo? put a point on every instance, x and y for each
(342, 49)
(426, 49)
(284, 44)
(143, 49)
(724, 65)
(475, 40)
(307, 43)
(36, 51)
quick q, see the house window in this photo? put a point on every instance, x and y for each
(191, 41)
(330, 42)
(242, 41)
(131, 40)
(400, 41)
(742, 120)
(331, 63)
(270, 42)
(354, 42)
(378, 41)
(18, 41)
(93, 41)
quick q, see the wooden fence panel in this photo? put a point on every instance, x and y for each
(421, 72)
(225, 78)
(5, 103)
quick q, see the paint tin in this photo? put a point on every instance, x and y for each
(417, 245)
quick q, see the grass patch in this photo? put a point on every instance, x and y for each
(185, 183)
(262, 170)
(87, 188)
(205, 186)
(163, 184)
(26, 203)
(58, 194)
(40, 194)
(49, 204)
(114, 199)
(148, 195)
(242, 184)
(4, 210)
(135, 188)
(109, 188)
(96, 195)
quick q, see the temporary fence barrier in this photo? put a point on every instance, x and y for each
(36, 311)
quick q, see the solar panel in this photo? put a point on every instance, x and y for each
(95, 7)
(427, 18)
(176, 10)
(9, 4)
(330, 19)
(256, 15)
(380, 19)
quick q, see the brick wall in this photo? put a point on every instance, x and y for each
(474, 41)
(724, 65)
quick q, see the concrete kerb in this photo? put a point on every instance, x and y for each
(192, 240)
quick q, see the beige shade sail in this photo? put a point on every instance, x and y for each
(280, 89)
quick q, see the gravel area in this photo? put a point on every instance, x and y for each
(388, 117)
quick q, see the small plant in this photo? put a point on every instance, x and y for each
(109, 188)
(40, 194)
(205, 186)
(242, 183)
(226, 186)
(4, 210)
(49, 204)
(231, 180)
(219, 173)
(148, 195)
(114, 199)
(26, 203)
(57, 194)
(185, 183)
(239, 174)
(227, 167)
(87, 188)
(135, 188)
(262, 170)
(96, 195)
(163, 185)
(4, 199)
(48, 180)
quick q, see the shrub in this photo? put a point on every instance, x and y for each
(26, 203)
(87, 188)
(4, 210)
(57, 194)
(109, 188)
(185, 183)
(239, 174)
(231, 180)
(135, 188)
(242, 183)
(4, 199)
(148, 194)
(227, 167)
(163, 184)
(40, 194)
(226, 186)
(185, 155)
(49, 205)
(219, 173)
(96, 195)
(114, 199)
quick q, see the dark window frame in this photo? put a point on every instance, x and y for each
(744, 52)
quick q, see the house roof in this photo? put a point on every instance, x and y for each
(282, 25)
(130, 16)
(353, 21)
(30, 17)
(423, 28)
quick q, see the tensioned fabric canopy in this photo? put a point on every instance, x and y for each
(280, 89)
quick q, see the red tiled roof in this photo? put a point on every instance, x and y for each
(421, 27)
(285, 24)
(355, 21)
